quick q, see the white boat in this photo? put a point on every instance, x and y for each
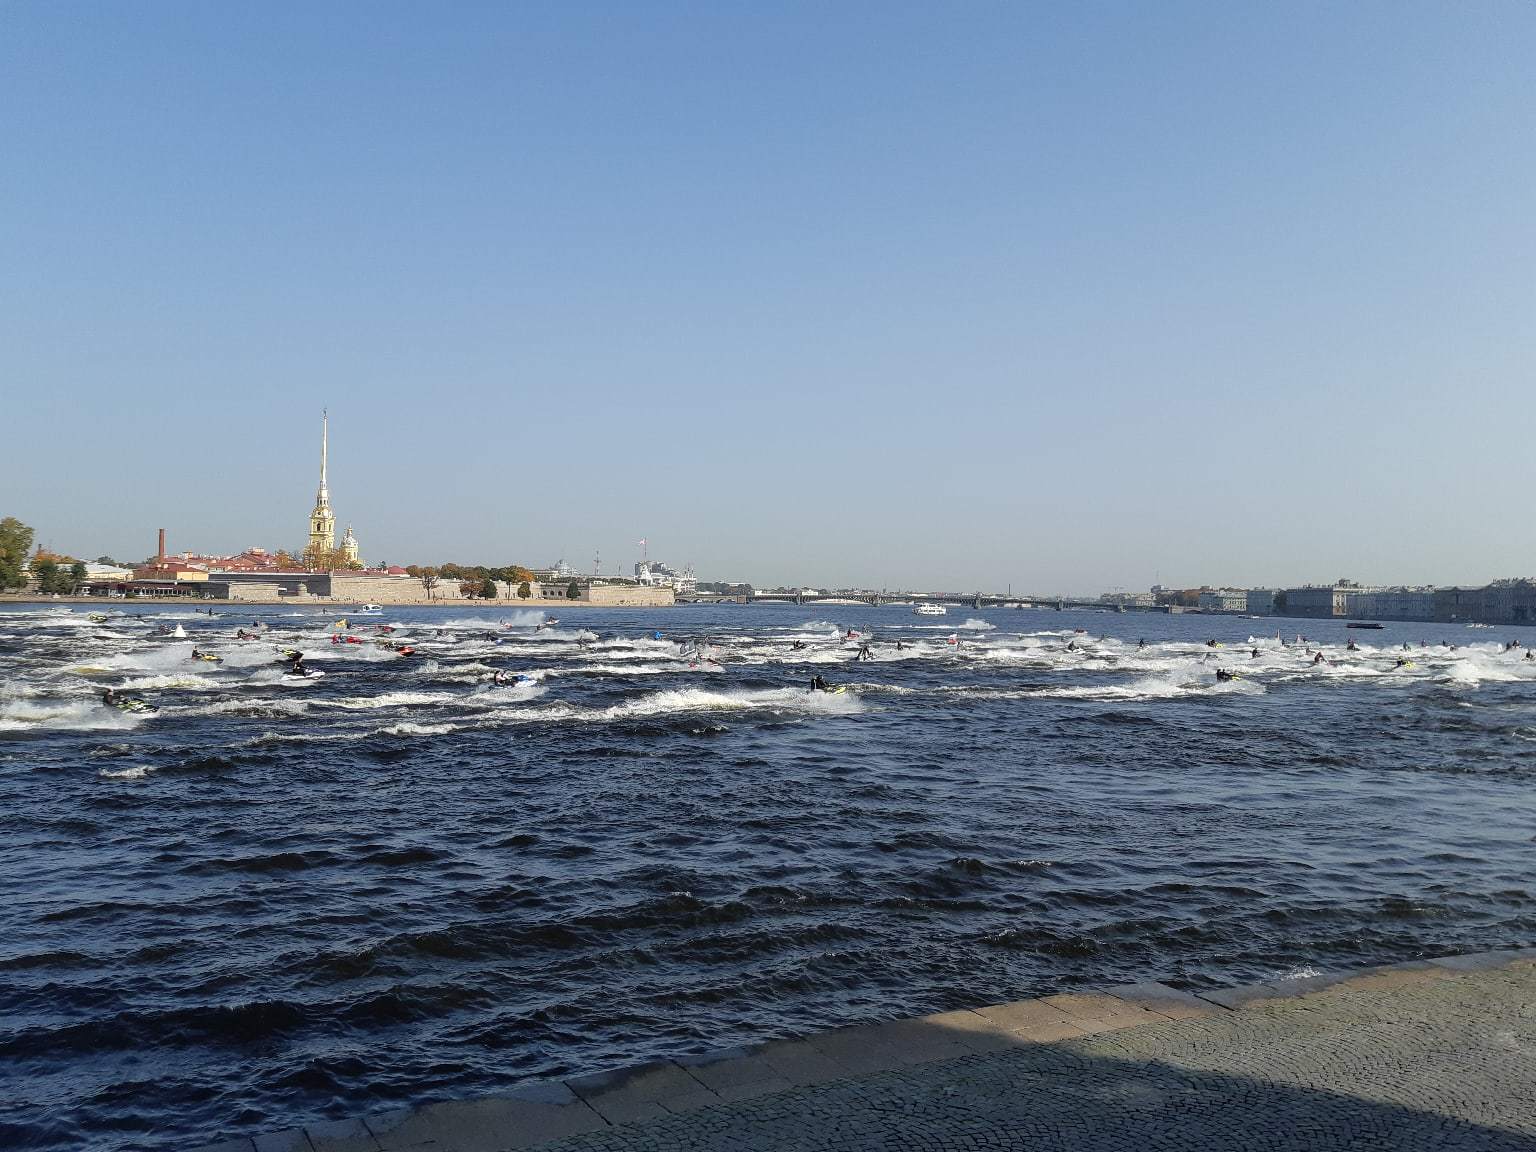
(930, 610)
(369, 610)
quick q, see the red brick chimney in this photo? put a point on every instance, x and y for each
(162, 545)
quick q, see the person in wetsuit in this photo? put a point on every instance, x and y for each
(819, 685)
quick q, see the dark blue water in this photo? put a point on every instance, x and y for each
(273, 901)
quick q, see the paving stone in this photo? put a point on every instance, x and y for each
(801, 1063)
(724, 1075)
(1164, 1000)
(293, 1140)
(878, 1047)
(1243, 996)
(748, 1089)
(972, 1030)
(1481, 961)
(341, 1136)
(1100, 1013)
(490, 1125)
(1388, 977)
(541, 1092)
(717, 1056)
(1033, 1020)
(642, 1093)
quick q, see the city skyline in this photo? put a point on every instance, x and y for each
(1068, 300)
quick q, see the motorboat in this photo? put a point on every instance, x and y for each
(930, 610)
(369, 610)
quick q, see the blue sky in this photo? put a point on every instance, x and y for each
(1068, 298)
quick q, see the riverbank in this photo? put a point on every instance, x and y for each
(202, 604)
(1425, 1054)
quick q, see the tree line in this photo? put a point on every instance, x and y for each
(52, 573)
(475, 580)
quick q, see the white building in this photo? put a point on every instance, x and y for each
(653, 573)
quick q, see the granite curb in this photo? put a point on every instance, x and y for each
(542, 1111)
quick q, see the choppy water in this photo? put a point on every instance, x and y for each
(274, 901)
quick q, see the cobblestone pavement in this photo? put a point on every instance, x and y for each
(1438, 1055)
(1443, 1064)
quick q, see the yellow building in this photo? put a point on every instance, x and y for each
(322, 521)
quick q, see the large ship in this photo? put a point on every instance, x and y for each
(930, 610)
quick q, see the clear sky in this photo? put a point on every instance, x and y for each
(1066, 297)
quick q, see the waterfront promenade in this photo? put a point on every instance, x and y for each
(1434, 1054)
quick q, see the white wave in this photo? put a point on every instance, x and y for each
(408, 729)
(1168, 685)
(389, 700)
(82, 715)
(189, 681)
(1470, 673)
(683, 701)
(1304, 972)
(492, 694)
(255, 707)
(975, 625)
(298, 738)
(521, 618)
(138, 772)
(636, 669)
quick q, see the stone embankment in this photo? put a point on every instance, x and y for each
(1434, 1054)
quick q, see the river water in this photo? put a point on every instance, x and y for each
(275, 900)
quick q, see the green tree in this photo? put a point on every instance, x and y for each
(46, 573)
(524, 591)
(573, 591)
(77, 576)
(15, 544)
(488, 589)
(109, 560)
(513, 575)
(428, 578)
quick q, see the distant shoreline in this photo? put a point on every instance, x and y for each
(119, 602)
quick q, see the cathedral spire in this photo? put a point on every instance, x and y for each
(322, 521)
(323, 497)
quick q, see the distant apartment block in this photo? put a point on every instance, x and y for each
(1224, 600)
(1391, 604)
(1317, 602)
(1502, 602)
(1261, 601)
